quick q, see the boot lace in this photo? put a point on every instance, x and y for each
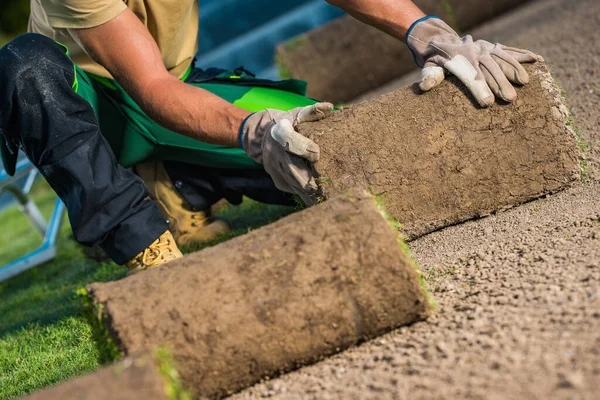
(160, 251)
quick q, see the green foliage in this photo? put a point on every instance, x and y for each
(397, 226)
(44, 337)
(47, 334)
(294, 43)
(93, 313)
(281, 57)
(451, 16)
(38, 355)
(14, 15)
(584, 146)
(282, 63)
(17, 236)
(174, 388)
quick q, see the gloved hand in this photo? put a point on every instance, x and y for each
(270, 138)
(486, 69)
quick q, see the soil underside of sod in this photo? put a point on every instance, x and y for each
(278, 298)
(518, 292)
(140, 377)
(436, 160)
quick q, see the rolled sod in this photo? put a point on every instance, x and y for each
(277, 298)
(147, 376)
(435, 159)
(347, 58)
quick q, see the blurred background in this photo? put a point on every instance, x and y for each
(232, 33)
(13, 18)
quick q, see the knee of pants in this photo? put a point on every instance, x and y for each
(32, 55)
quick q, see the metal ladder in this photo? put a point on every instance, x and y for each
(48, 230)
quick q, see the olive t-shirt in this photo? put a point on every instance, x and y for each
(172, 23)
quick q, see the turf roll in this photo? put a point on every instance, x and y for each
(436, 159)
(282, 296)
(347, 58)
(148, 376)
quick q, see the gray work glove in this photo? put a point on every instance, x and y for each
(270, 138)
(486, 69)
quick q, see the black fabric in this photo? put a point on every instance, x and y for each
(203, 186)
(58, 131)
(244, 78)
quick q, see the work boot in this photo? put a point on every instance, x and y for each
(161, 251)
(189, 226)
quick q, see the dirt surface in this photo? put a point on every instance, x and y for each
(133, 378)
(317, 57)
(519, 316)
(448, 161)
(574, 58)
(518, 292)
(285, 295)
(346, 58)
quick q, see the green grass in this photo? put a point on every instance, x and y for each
(281, 58)
(451, 16)
(174, 386)
(397, 226)
(45, 336)
(585, 147)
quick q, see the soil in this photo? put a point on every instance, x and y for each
(574, 58)
(346, 58)
(518, 318)
(466, 14)
(280, 297)
(318, 57)
(518, 293)
(132, 378)
(437, 160)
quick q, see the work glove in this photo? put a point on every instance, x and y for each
(270, 138)
(486, 69)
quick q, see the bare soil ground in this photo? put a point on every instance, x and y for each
(518, 292)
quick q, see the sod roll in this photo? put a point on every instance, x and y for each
(146, 376)
(436, 159)
(286, 295)
(347, 58)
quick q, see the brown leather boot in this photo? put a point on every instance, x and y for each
(189, 227)
(161, 251)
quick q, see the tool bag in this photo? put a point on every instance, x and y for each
(134, 137)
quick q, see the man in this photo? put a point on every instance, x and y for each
(122, 92)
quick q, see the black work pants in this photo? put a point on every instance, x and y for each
(57, 129)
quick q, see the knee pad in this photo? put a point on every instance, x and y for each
(32, 52)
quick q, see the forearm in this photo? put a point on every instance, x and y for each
(391, 16)
(191, 111)
(127, 50)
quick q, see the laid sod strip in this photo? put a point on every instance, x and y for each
(148, 376)
(282, 296)
(435, 159)
(346, 58)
